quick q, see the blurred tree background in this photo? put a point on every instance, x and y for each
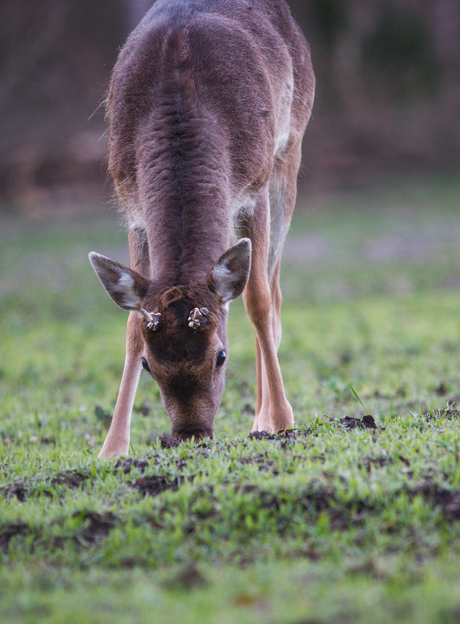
(388, 91)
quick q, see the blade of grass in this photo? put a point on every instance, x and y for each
(357, 397)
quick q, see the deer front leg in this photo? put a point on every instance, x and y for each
(117, 440)
(274, 413)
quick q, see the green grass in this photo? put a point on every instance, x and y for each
(331, 525)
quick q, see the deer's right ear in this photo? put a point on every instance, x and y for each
(124, 286)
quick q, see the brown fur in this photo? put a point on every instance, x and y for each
(180, 358)
(207, 107)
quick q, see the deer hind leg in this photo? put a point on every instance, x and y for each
(274, 412)
(276, 303)
(117, 440)
(262, 397)
(282, 194)
(261, 375)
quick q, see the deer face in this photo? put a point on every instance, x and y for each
(186, 355)
(184, 334)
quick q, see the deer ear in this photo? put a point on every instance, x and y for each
(230, 274)
(126, 287)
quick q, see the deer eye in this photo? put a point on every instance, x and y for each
(145, 366)
(220, 358)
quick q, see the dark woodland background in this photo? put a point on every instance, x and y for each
(388, 92)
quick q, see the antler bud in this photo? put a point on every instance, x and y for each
(152, 318)
(198, 317)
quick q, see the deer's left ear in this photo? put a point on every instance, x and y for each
(230, 274)
(124, 286)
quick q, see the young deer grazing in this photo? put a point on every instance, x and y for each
(207, 106)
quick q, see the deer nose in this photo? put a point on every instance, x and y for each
(196, 432)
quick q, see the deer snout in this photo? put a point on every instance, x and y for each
(198, 432)
(191, 408)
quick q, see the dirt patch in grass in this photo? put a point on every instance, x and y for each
(187, 578)
(152, 486)
(10, 530)
(22, 490)
(369, 462)
(449, 414)
(316, 499)
(148, 485)
(94, 527)
(438, 496)
(168, 442)
(367, 422)
(74, 479)
(348, 423)
(19, 490)
(70, 478)
(126, 464)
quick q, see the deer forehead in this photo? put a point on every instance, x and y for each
(179, 344)
(175, 309)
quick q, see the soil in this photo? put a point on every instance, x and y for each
(367, 422)
(168, 442)
(449, 414)
(10, 530)
(187, 578)
(348, 423)
(151, 486)
(95, 527)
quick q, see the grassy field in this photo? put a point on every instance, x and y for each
(348, 519)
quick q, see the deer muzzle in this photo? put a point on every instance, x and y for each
(197, 432)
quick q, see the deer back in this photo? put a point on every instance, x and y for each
(203, 96)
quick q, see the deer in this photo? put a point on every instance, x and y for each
(207, 106)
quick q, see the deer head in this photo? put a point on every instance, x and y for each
(184, 333)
